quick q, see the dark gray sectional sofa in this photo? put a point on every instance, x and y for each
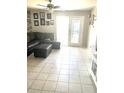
(37, 38)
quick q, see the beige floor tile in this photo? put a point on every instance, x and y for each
(45, 70)
(73, 64)
(63, 78)
(53, 77)
(47, 92)
(54, 71)
(75, 88)
(74, 73)
(84, 73)
(37, 84)
(86, 80)
(34, 91)
(32, 75)
(63, 60)
(64, 72)
(74, 79)
(73, 67)
(73, 59)
(67, 65)
(57, 64)
(83, 68)
(50, 86)
(88, 89)
(82, 64)
(36, 64)
(34, 69)
(49, 65)
(42, 76)
(62, 87)
(29, 83)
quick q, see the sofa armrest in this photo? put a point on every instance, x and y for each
(33, 43)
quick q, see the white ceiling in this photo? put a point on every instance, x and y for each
(64, 4)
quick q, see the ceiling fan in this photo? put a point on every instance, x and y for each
(50, 6)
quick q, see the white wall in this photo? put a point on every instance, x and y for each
(52, 28)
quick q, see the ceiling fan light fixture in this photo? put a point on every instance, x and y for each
(49, 6)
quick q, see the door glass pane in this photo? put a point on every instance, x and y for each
(75, 32)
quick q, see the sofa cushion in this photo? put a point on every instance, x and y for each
(30, 36)
(33, 43)
(43, 36)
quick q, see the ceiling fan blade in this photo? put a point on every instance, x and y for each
(56, 7)
(41, 5)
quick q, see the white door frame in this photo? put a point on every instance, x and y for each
(81, 18)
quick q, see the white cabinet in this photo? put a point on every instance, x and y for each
(93, 54)
(93, 69)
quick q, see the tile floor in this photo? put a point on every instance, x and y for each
(63, 71)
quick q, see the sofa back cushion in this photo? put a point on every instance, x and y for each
(30, 36)
(44, 36)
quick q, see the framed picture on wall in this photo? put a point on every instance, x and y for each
(42, 14)
(49, 16)
(35, 15)
(36, 23)
(51, 22)
(42, 21)
(47, 22)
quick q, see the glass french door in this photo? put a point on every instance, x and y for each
(75, 33)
